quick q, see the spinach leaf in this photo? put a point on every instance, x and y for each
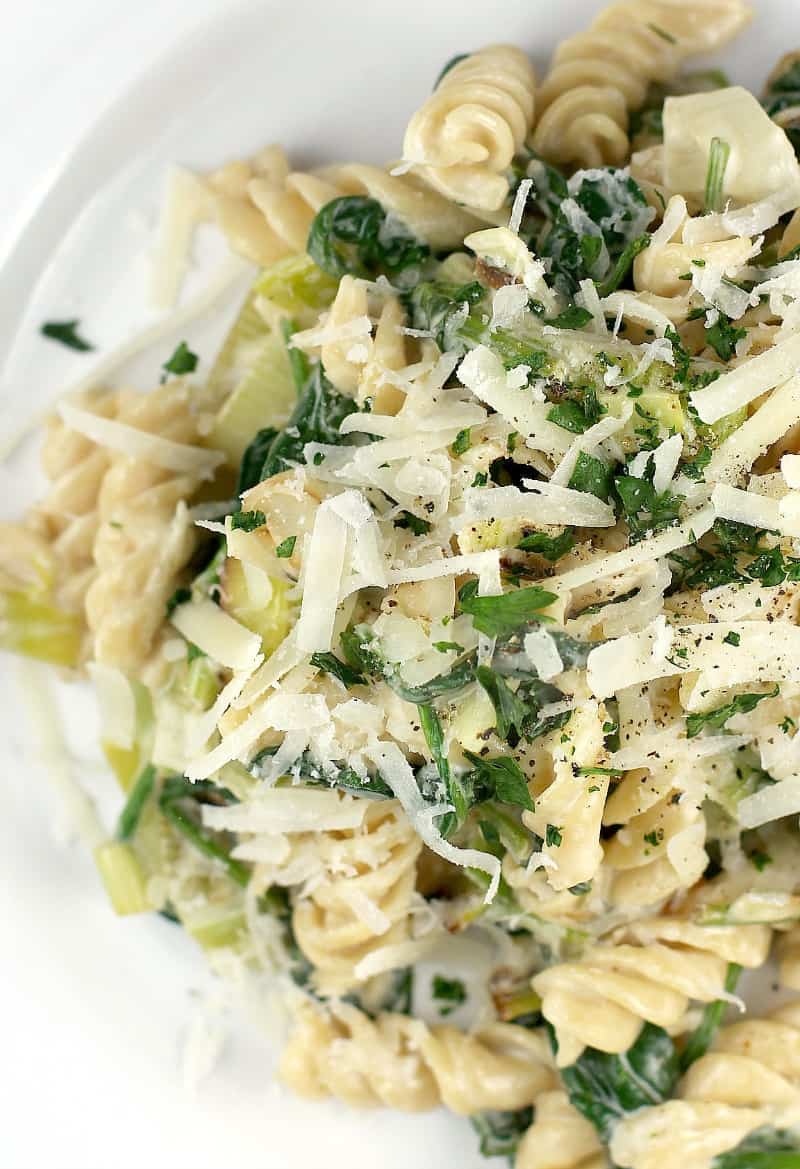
(407, 519)
(514, 351)
(500, 778)
(623, 265)
(554, 722)
(353, 234)
(511, 712)
(317, 417)
(501, 1132)
(570, 416)
(277, 902)
(134, 805)
(605, 1088)
(180, 802)
(338, 669)
(506, 613)
(722, 337)
(453, 785)
(702, 1037)
(358, 649)
(592, 476)
(438, 308)
(550, 547)
(254, 458)
(331, 774)
(66, 332)
(549, 187)
(783, 94)
(716, 719)
(573, 317)
(597, 231)
(181, 596)
(460, 676)
(450, 991)
(451, 64)
(765, 1148)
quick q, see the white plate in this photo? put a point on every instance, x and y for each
(97, 1008)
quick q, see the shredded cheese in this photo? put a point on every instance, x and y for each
(742, 385)
(141, 444)
(217, 634)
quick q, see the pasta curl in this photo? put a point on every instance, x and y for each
(600, 75)
(463, 139)
(660, 848)
(651, 973)
(365, 902)
(144, 535)
(68, 518)
(398, 1061)
(559, 1138)
(266, 210)
(750, 1080)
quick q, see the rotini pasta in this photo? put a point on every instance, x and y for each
(750, 1080)
(602, 1000)
(266, 210)
(559, 1138)
(144, 537)
(398, 1061)
(68, 515)
(600, 75)
(462, 140)
(364, 903)
(446, 631)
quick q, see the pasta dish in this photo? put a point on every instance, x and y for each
(446, 628)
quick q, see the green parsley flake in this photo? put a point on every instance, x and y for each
(286, 547)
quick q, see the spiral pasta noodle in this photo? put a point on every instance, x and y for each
(67, 517)
(364, 903)
(397, 1061)
(559, 1138)
(659, 825)
(266, 210)
(749, 1080)
(144, 537)
(602, 999)
(463, 139)
(600, 75)
(573, 804)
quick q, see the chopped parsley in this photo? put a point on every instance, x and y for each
(506, 613)
(286, 547)
(407, 519)
(552, 836)
(461, 442)
(248, 521)
(722, 337)
(182, 361)
(449, 991)
(592, 476)
(716, 719)
(500, 778)
(66, 333)
(550, 547)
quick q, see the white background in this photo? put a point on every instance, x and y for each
(62, 62)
